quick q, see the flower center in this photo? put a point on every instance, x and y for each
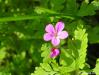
(55, 34)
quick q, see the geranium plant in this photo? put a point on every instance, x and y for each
(49, 37)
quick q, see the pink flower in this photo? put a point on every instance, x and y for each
(54, 34)
(54, 52)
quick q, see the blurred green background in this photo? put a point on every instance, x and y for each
(22, 24)
(20, 40)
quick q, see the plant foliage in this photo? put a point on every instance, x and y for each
(22, 25)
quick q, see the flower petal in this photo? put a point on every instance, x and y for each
(63, 35)
(55, 41)
(59, 26)
(49, 28)
(54, 53)
(47, 36)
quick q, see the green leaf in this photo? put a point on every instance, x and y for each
(67, 69)
(46, 52)
(46, 66)
(84, 73)
(78, 43)
(40, 71)
(65, 58)
(75, 51)
(96, 69)
(71, 27)
(49, 13)
(81, 36)
(67, 61)
(44, 69)
(86, 9)
(55, 65)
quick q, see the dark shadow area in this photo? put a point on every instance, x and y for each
(92, 55)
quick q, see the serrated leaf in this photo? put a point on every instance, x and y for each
(81, 35)
(78, 44)
(44, 69)
(46, 52)
(46, 66)
(86, 9)
(54, 65)
(40, 71)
